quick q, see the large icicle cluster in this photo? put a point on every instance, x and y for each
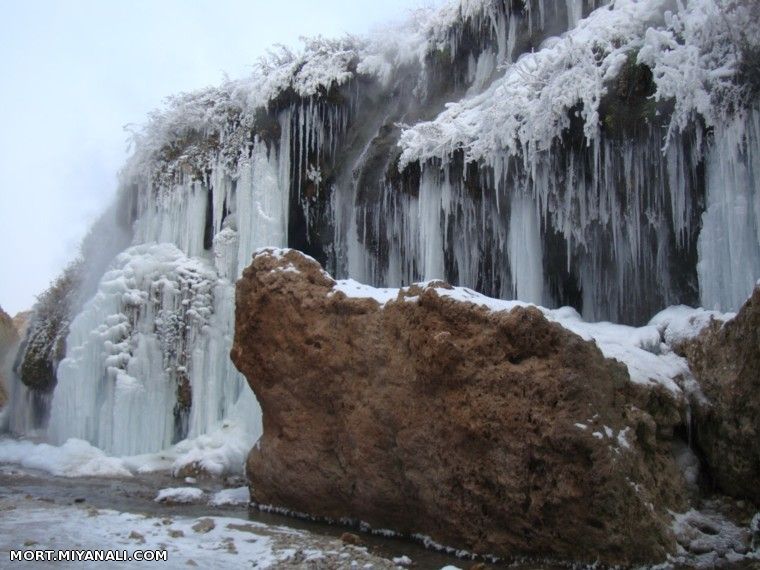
(142, 370)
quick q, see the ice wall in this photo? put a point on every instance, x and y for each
(550, 152)
(146, 363)
(729, 244)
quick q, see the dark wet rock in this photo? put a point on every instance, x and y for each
(204, 525)
(350, 538)
(725, 360)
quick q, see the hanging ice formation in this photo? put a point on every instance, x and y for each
(587, 153)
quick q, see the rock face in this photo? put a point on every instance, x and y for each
(497, 432)
(725, 360)
(21, 322)
(8, 342)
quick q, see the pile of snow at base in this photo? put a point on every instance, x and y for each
(220, 452)
(237, 496)
(75, 458)
(645, 351)
(179, 495)
(217, 453)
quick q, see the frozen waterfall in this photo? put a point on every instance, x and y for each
(561, 153)
(147, 363)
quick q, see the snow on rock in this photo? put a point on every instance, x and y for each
(638, 348)
(707, 539)
(238, 496)
(180, 495)
(681, 323)
(352, 288)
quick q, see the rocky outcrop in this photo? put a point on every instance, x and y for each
(8, 342)
(21, 322)
(44, 344)
(497, 432)
(725, 360)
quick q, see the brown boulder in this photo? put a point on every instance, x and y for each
(497, 432)
(725, 360)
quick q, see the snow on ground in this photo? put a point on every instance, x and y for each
(75, 458)
(221, 452)
(206, 542)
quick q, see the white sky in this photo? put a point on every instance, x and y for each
(74, 72)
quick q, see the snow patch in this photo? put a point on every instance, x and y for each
(681, 323)
(75, 458)
(179, 495)
(238, 496)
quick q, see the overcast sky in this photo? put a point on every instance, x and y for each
(75, 72)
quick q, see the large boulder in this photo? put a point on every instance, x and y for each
(725, 360)
(496, 432)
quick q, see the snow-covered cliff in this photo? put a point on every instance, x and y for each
(602, 155)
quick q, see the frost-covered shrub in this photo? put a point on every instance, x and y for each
(195, 129)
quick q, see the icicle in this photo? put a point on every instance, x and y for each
(262, 215)
(430, 229)
(729, 245)
(524, 249)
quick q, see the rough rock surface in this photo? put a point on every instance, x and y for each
(725, 360)
(8, 342)
(21, 322)
(499, 433)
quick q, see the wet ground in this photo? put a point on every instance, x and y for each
(136, 495)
